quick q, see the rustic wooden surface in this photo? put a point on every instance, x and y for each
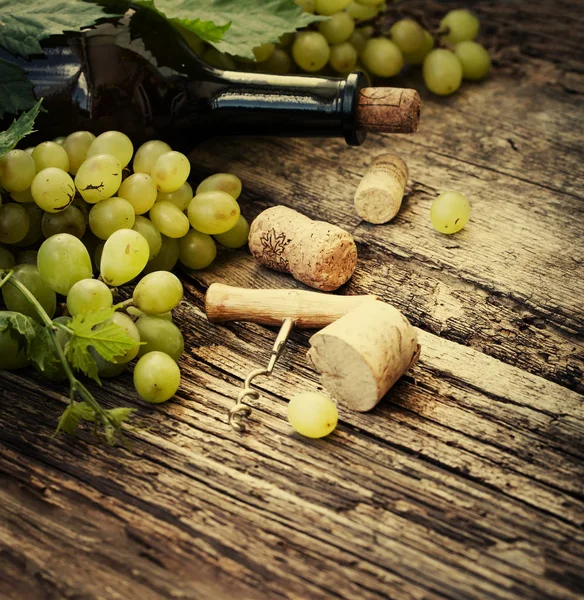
(465, 482)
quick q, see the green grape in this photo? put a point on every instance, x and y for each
(263, 52)
(49, 154)
(357, 40)
(312, 415)
(76, 146)
(217, 59)
(197, 250)
(213, 212)
(136, 312)
(166, 259)
(114, 143)
(279, 63)
(151, 234)
(417, 57)
(106, 369)
(140, 191)
(449, 212)
(221, 182)
(24, 197)
(160, 335)
(180, 197)
(59, 140)
(52, 189)
(156, 377)
(88, 295)
(17, 170)
(408, 35)
(378, 3)
(338, 28)
(330, 7)
(360, 12)
(308, 6)
(109, 215)
(99, 177)
(237, 236)
(27, 257)
(29, 150)
(194, 42)
(382, 57)
(34, 233)
(123, 321)
(442, 72)
(158, 292)
(286, 39)
(170, 171)
(169, 219)
(70, 220)
(30, 277)
(462, 26)
(7, 260)
(147, 155)
(53, 369)
(311, 51)
(124, 255)
(11, 355)
(475, 60)
(343, 57)
(14, 223)
(63, 260)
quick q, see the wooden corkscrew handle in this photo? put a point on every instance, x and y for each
(309, 310)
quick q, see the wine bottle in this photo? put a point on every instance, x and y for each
(138, 75)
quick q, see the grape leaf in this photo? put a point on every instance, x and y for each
(95, 330)
(24, 23)
(253, 22)
(75, 412)
(20, 128)
(16, 90)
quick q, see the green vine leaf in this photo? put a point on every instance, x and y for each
(20, 128)
(75, 412)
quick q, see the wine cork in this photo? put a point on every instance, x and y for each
(388, 110)
(379, 195)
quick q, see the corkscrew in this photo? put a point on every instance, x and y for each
(284, 308)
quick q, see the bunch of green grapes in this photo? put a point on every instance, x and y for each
(73, 210)
(345, 43)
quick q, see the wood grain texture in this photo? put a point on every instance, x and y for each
(467, 479)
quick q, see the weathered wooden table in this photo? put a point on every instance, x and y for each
(465, 482)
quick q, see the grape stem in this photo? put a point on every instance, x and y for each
(76, 387)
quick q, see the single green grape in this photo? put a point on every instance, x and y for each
(357, 40)
(125, 254)
(475, 60)
(53, 190)
(147, 155)
(197, 250)
(24, 197)
(34, 233)
(343, 57)
(17, 170)
(12, 356)
(377, 3)
(151, 234)
(166, 259)
(138, 314)
(88, 295)
(382, 57)
(449, 212)
(99, 177)
(15, 300)
(311, 51)
(360, 12)
(306, 5)
(158, 292)
(156, 377)
(180, 197)
(123, 321)
(109, 216)
(170, 171)
(237, 236)
(213, 212)
(263, 52)
(338, 28)
(408, 35)
(71, 220)
(50, 154)
(169, 219)
(76, 146)
(27, 257)
(59, 140)
(312, 415)
(217, 59)
(279, 63)
(114, 143)
(140, 191)
(14, 223)
(62, 261)
(462, 26)
(160, 335)
(417, 57)
(221, 182)
(105, 368)
(330, 7)
(7, 260)
(442, 72)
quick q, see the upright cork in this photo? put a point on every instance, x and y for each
(388, 110)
